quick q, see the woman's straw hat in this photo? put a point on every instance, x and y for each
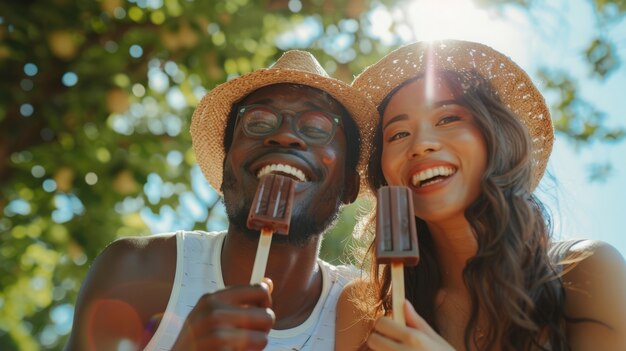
(511, 83)
(297, 67)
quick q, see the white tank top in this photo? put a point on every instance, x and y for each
(199, 271)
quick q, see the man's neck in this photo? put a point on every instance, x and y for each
(293, 270)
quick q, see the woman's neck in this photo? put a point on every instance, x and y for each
(455, 244)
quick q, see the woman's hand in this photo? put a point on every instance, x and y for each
(417, 335)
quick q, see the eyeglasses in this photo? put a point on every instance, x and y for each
(315, 127)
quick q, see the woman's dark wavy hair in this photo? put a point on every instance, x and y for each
(511, 276)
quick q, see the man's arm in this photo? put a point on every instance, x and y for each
(596, 291)
(128, 284)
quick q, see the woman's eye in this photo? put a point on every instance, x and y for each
(448, 119)
(398, 135)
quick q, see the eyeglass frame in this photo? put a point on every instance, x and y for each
(335, 119)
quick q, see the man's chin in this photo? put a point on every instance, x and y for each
(302, 229)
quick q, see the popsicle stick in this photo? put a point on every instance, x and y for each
(262, 252)
(397, 292)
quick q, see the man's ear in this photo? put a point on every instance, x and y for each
(352, 186)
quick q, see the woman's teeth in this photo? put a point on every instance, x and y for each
(426, 176)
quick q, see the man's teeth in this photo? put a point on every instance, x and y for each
(285, 169)
(418, 178)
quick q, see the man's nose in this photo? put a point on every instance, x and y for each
(285, 136)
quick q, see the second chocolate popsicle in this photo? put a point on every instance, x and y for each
(396, 239)
(396, 236)
(270, 212)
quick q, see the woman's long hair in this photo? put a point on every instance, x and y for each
(512, 282)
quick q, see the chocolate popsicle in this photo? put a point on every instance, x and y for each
(270, 212)
(396, 239)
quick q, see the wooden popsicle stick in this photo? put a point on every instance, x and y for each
(262, 253)
(397, 292)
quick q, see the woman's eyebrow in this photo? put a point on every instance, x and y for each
(402, 117)
(444, 103)
(434, 105)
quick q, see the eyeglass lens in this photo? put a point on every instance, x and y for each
(314, 126)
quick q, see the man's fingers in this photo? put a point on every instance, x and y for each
(244, 295)
(233, 339)
(253, 318)
(269, 283)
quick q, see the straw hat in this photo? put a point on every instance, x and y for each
(298, 67)
(511, 83)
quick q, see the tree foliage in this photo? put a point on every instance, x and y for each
(95, 103)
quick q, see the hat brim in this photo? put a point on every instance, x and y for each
(512, 84)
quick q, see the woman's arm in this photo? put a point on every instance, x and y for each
(595, 289)
(352, 325)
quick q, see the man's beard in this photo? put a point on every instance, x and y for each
(303, 225)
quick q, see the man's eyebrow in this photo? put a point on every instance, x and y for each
(316, 106)
(265, 101)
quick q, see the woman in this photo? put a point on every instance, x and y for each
(466, 130)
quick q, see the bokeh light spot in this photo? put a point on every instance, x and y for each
(91, 178)
(69, 79)
(174, 158)
(27, 110)
(135, 13)
(103, 155)
(157, 17)
(119, 13)
(138, 90)
(294, 6)
(135, 51)
(30, 69)
(38, 171)
(26, 84)
(17, 206)
(111, 46)
(49, 185)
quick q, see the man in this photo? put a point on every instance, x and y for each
(191, 290)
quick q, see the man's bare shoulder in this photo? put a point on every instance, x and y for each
(132, 257)
(127, 285)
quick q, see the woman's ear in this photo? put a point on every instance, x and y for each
(352, 186)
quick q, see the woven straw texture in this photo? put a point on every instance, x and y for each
(511, 83)
(298, 67)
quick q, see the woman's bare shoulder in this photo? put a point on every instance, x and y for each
(353, 323)
(595, 291)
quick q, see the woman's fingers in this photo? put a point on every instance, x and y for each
(388, 335)
(414, 320)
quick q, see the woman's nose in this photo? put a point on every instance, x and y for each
(424, 142)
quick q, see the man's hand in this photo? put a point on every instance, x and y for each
(236, 318)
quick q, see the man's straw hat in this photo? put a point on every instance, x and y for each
(297, 67)
(511, 83)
